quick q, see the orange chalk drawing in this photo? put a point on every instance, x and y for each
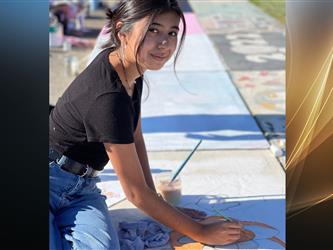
(247, 235)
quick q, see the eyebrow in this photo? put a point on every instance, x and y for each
(158, 24)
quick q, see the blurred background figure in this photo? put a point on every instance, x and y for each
(71, 14)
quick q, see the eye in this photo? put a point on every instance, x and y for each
(173, 33)
(153, 30)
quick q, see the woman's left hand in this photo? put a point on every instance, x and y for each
(193, 213)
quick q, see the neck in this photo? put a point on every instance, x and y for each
(126, 70)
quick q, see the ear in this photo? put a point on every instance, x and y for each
(119, 25)
(121, 35)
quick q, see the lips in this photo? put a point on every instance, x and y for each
(159, 57)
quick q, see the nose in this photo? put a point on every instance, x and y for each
(163, 43)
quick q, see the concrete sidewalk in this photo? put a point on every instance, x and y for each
(251, 45)
(243, 44)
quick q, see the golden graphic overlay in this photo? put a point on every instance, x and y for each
(309, 109)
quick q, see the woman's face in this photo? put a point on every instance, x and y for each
(159, 43)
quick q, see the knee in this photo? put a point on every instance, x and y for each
(101, 240)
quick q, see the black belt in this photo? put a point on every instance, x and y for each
(72, 166)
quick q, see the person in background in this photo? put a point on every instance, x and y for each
(69, 12)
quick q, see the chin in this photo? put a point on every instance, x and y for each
(155, 67)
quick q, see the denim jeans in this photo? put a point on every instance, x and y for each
(78, 215)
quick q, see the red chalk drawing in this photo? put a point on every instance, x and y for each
(244, 78)
(264, 73)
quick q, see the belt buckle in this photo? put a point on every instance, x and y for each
(85, 172)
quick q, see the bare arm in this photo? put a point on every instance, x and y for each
(142, 154)
(127, 166)
(143, 157)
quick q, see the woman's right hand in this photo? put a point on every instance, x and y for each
(220, 232)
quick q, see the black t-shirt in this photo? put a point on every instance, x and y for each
(95, 108)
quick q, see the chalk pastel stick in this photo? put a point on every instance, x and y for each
(183, 164)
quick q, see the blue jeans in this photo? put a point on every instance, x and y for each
(78, 215)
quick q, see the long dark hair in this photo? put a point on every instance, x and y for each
(130, 11)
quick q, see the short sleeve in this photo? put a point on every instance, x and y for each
(110, 119)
